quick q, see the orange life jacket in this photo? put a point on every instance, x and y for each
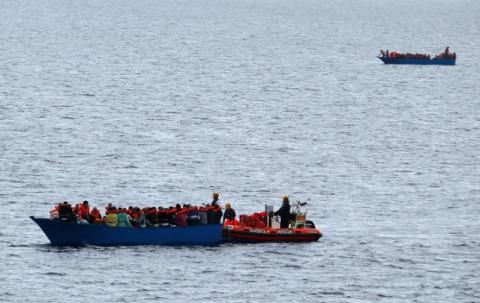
(233, 222)
(83, 212)
(96, 214)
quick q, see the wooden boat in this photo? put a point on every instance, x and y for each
(423, 61)
(64, 233)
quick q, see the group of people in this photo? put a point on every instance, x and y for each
(178, 215)
(446, 54)
(397, 55)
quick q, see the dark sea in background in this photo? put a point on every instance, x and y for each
(155, 102)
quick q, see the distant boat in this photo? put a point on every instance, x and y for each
(261, 227)
(64, 233)
(393, 57)
(426, 61)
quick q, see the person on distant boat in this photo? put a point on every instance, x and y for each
(138, 218)
(123, 220)
(284, 212)
(387, 53)
(215, 200)
(95, 216)
(219, 213)
(172, 215)
(152, 217)
(54, 213)
(111, 219)
(130, 211)
(193, 215)
(84, 213)
(178, 207)
(76, 209)
(229, 212)
(162, 216)
(65, 212)
(109, 209)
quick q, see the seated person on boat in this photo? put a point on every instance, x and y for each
(139, 217)
(229, 217)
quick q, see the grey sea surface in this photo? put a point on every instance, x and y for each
(156, 102)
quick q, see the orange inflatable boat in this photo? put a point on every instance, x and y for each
(253, 234)
(263, 227)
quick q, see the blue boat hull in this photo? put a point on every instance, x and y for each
(417, 61)
(62, 233)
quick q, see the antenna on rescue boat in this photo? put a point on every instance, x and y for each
(291, 193)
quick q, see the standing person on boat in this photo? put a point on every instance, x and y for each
(284, 212)
(229, 214)
(215, 199)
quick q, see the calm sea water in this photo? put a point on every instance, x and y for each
(154, 102)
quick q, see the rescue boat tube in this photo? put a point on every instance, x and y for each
(253, 234)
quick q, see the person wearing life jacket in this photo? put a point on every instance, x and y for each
(135, 217)
(111, 219)
(142, 220)
(54, 213)
(108, 209)
(65, 212)
(130, 211)
(95, 216)
(172, 216)
(76, 209)
(84, 213)
(123, 220)
(193, 216)
(229, 216)
(284, 212)
(181, 217)
(162, 217)
(151, 215)
(229, 213)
